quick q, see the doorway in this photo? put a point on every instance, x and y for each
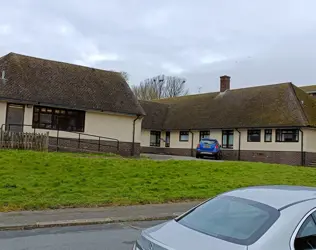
(15, 117)
(167, 141)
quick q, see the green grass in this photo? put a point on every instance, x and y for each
(34, 180)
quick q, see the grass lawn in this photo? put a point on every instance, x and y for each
(35, 180)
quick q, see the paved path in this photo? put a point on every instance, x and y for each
(118, 236)
(86, 216)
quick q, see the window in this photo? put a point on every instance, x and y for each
(306, 236)
(227, 139)
(167, 142)
(287, 135)
(58, 119)
(254, 135)
(232, 219)
(184, 136)
(204, 134)
(268, 135)
(155, 138)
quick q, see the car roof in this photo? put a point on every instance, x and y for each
(277, 196)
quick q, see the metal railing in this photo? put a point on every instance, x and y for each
(97, 140)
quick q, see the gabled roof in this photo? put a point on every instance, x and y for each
(35, 80)
(263, 106)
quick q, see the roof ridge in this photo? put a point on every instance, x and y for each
(58, 62)
(292, 88)
(217, 92)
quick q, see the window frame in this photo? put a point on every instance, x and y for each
(158, 141)
(167, 143)
(228, 132)
(300, 224)
(184, 133)
(277, 131)
(267, 132)
(57, 114)
(204, 132)
(250, 132)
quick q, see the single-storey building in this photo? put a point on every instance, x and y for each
(273, 123)
(80, 107)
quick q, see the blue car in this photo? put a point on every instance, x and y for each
(209, 147)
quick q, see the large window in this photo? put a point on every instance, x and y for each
(227, 138)
(155, 137)
(254, 135)
(287, 135)
(58, 119)
(204, 134)
(184, 136)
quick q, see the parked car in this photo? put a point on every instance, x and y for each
(253, 218)
(209, 147)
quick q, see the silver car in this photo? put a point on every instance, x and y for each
(253, 218)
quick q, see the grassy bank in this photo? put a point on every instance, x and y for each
(34, 180)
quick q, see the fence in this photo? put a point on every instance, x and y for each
(75, 142)
(21, 140)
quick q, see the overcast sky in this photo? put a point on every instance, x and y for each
(255, 42)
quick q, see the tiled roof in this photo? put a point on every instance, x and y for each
(47, 82)
(264, 106)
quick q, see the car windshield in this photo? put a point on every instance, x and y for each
(208, 141)
(232, 219)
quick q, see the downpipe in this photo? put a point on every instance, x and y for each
(239, 143)
(133, 142)
(192, 153)
(302, 148)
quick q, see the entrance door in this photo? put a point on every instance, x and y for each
(15, 117)
(167, 141)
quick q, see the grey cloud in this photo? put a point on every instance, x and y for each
(256, 42)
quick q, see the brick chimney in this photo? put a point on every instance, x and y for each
(225, 83)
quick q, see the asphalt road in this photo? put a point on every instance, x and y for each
(119, 236)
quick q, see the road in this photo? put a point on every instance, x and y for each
(176, 157)
(119, 236)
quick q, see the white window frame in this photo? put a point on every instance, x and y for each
(298, 227)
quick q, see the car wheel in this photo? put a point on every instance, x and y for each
(197, 156)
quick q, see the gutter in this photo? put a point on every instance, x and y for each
(52, 105)
(192, 153)
(133, 142)
(302, 148)
(239, 143)
(253, 127)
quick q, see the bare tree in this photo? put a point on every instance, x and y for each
(125, 76)
(175, 86)
(160, 86)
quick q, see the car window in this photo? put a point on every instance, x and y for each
(208, 141)
(308, 228)
(233, 219)
(306, 236)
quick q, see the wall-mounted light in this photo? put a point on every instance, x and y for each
(29, 105)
